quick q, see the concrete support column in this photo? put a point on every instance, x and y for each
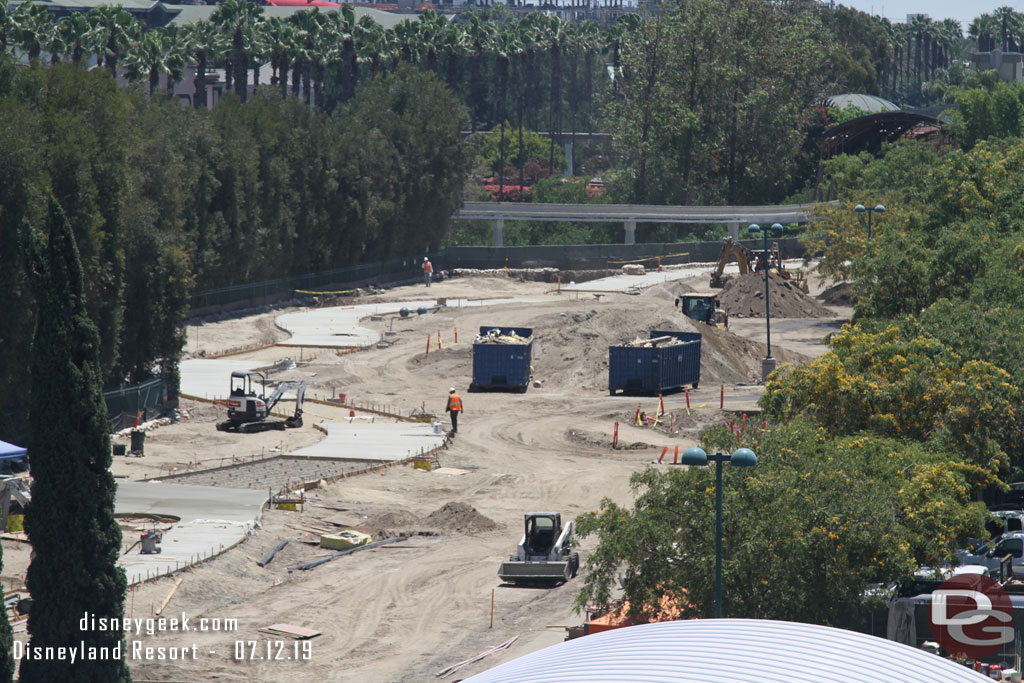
(630, 226)
(497, 236)
(734, 230)
(568, 157)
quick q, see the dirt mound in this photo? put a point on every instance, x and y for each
(663, 292)
(571, 349)
(591, 440)
(457, 516)
(743, 297)
(837, 295)
(390, 520)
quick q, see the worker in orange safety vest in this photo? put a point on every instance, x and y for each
(454, 407)
(428, 271)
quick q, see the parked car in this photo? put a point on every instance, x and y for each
(1005, 520)
(988, 555)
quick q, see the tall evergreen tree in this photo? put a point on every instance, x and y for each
(70, 521)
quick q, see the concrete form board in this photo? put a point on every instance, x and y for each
(275, 473)
(212, 520)
(376, 441)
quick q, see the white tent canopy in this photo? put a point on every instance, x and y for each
(9, 450)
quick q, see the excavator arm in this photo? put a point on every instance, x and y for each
(730, 248)
(300, 393)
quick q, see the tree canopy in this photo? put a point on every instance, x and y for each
(805, 532)
(162, 199)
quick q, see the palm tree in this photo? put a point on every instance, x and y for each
(590, 41)
(557, 35)
(431, 28)
(202, 44)
(324, 48)
(1009, 25)
(982, 29)
(115, 30)
(453, 43)
(235, 17)
(300, 55)
(525, 39)
(615, 36)
(146, 59)
(71, 37)
(5, 25)
(344, 26)
(307, 29)
(257, 48)
(280, 38)
(31, 26)
(479, 35)
(374, 44)
(503, 45)
(407, 34)
(176, 57)
(951, 37)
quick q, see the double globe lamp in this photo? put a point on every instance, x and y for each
(741, 457)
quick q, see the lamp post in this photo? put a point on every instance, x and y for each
(741, 457)
(768, 364)
(860, 208)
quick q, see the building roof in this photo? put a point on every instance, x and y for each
(868, 103)
(303, 3)
(870, 131)
(714, 650)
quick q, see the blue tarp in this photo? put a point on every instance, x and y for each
(9, 450)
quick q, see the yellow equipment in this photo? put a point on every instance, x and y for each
(703, 307)
(730, 248)
(753, 260)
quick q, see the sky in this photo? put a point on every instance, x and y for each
(897, 10)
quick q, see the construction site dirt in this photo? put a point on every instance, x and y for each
(404, 611)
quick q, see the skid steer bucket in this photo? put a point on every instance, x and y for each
(515, 571)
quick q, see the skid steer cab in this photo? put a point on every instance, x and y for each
(545, 554)
(703, 307)
(249, 406)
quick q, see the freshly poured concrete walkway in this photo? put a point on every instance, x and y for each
(212, 520)
(338, 326)
(377, 441)
(211, 379)
(623, 283)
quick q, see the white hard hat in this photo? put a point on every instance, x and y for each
(452, 390)
(425, 259)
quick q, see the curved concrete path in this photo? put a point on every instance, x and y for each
(376, 441)
(338, 326)
(212, 520)
(623, 283)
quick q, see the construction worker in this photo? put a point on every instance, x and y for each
(454, 407)
(428, 271)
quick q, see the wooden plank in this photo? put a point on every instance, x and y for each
(291, 631)
(168, 598)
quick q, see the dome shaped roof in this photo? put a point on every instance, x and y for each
(868, 103)
(714, 650)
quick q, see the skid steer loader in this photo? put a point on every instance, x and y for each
(249, 407)
(545, 554)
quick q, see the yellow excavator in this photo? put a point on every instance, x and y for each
(753, 259)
